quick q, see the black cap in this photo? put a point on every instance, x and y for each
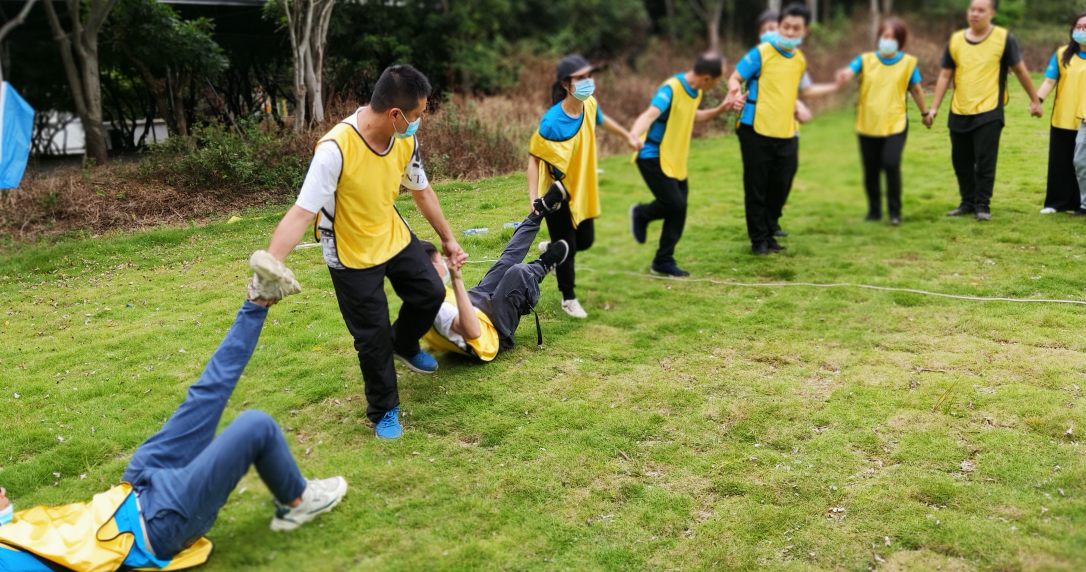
(571, 64)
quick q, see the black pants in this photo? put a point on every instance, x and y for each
(362, 301)
(669, 206)
(769, 166)
(1063, 191)
(975, 154)
(560, 227)
(510, 288)
(883, 154)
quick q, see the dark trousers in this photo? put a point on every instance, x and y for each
(560, 227)
(769, 166)
(669, 206)
(510, 288)
(883, 154)
(975, 154)
(362, 301)
(184, 473)
(1063, 191)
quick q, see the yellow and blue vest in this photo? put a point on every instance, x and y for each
(571, 160)
(99, 536)
(1070, 107)
(368, 230)
(484, 348)
(884, 88)
(774, 77)
(669, 136)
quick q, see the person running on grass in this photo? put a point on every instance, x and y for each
(667, 126)
(1066, 74)
(482, 321)
(179, 478)
(564, 149)
(350, 192)
(977, 59)
(776, 74)
(887, 76)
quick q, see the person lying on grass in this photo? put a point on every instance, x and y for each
(179, 478)
(481, 322)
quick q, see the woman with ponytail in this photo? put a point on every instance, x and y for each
(562, 155)
(1067, 139)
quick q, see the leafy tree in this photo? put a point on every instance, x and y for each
(167, 52)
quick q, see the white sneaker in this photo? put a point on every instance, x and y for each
(1048, 210)
(573, 308)
(272, 280)
(319, 497)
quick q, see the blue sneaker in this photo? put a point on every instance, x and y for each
(421, 362)
(389, 425)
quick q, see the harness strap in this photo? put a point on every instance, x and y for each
(538, 330)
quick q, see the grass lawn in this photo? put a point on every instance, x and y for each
(683, 426)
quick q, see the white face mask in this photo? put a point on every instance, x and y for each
(888, 47)
(446, 278)
(7, 514)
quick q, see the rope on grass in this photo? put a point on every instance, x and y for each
(810, 285)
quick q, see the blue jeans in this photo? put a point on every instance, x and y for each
(184, 473)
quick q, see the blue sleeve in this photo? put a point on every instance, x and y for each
(662, 99)
(857, 65)
(750, 65)
(1053, 71)
(599, 116)
(916, 76)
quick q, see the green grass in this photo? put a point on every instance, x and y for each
(682, 426)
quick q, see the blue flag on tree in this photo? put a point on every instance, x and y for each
(16, 127)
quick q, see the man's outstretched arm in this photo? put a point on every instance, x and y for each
(290, 231)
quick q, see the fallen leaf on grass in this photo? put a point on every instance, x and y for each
(968, 466)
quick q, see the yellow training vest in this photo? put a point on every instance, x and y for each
(368, 230)
(575, 159)
(1070, 107)
(675, 146)
(83, 536)
(778, 86)
(883, 89)
(485, 348)
(976, 72)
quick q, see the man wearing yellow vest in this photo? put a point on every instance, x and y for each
(180, 477)
(775, 71)
(978, 58)
(350, 191)
(482, 321)
(669, 123)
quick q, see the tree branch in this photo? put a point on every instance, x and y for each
(17, 20)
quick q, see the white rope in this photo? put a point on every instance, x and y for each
(812, 285)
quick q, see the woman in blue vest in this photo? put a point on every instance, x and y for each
(1066, 74)
(887, 76)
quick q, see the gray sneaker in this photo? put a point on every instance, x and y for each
(272, 280)
(319, 497)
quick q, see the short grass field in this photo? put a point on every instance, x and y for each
(686, 425)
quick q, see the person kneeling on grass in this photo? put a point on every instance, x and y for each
(481, 322)
(178, 479)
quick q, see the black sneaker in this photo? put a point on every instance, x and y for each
(873, 218)
(983, 214)
(760, 248)
(780, 233)
(895, 220)
(775, 246)
(556, 253)
(669, 269)
(960, 211)
(552, 201)
(638, 227)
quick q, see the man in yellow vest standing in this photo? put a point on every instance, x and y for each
(978, 59)
(775, 72)
(350, 191)
(669, 123)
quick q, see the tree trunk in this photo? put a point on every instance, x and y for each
(307, 21)
(875, 21)
(11, 25)
(774, 5)
(713, 25)
(79, 54)
(812, 5)
(179, 119)
(157, 87)
(887, 8)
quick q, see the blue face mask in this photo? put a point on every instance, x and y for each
(768, 37)
(888, 47)
(7, 514)
(412, 127)
(584, 89)
(787, 43)
(1080, 39)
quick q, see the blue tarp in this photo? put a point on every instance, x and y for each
(16, 127)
